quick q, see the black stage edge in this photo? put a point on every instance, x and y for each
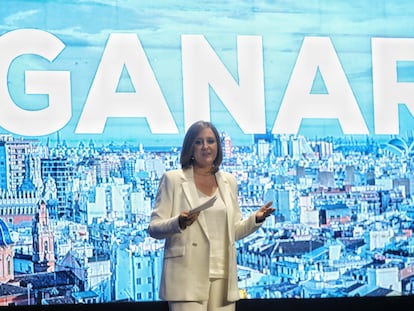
(331, 304)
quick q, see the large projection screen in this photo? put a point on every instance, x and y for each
(314, 101)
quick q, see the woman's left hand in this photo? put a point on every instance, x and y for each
(265, 211)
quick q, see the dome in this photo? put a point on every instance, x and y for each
(5, 238)
(399, 143)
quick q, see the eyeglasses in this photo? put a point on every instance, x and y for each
(202, 141)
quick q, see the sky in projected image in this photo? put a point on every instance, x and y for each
(84, 27)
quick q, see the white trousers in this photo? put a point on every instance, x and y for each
(217, 300)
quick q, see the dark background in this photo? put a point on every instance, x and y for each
(349, 304)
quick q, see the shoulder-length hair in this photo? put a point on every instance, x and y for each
(187, 150)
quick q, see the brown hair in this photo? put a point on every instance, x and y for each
(187, 150)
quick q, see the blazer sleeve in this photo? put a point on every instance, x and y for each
(163, 222)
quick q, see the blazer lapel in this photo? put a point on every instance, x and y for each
(190, 192)
(189, 188)
(226, 194)
(224, 188)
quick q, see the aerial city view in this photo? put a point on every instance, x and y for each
(74, 219)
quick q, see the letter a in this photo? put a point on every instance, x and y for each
(299, 103)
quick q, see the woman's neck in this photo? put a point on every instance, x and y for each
(202, 171)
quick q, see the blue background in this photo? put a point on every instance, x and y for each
(84, 27)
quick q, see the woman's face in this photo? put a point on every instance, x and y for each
(205, 148)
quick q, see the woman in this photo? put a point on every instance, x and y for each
(199, 267)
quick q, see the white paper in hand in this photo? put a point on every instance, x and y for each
(206, 204)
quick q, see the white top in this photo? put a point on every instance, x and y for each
(217, 230)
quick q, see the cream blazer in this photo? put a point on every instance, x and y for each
(185, 274)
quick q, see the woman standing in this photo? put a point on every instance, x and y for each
(199, 266)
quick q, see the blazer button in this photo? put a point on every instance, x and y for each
(194, 244)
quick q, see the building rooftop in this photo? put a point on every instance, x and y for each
(84, 295)
(47, 279)
(11, 290)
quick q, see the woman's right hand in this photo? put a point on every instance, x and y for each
(185, 219)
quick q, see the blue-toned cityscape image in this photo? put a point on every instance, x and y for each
(314, 102)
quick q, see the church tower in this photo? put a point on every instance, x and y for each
(6, 253)
(43, 241)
